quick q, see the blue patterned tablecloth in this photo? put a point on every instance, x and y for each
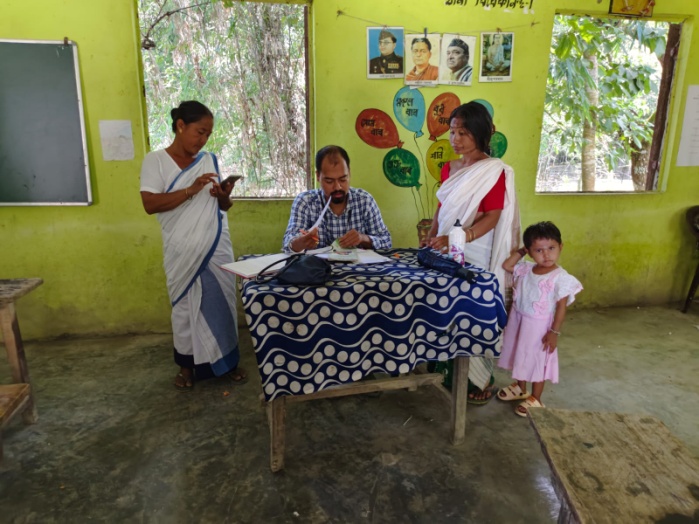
(383, 318)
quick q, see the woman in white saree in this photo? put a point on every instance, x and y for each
(196, 243)
(479, 191)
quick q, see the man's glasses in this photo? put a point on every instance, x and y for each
(385, 42)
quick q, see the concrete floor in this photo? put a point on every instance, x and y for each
(116, 443)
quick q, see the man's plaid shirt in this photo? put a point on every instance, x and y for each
(361, 214)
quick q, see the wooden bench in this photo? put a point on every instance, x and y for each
(612, 467)
(17, 397)
(13, 399)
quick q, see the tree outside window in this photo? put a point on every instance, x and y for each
(606, 101)
(247, 62)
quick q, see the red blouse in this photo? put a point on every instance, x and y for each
(495, 199)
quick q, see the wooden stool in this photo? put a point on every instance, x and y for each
(14, 398)
(17, 397)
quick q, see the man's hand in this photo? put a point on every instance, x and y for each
(305, 240)
(354, 238)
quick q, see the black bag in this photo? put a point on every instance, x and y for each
(432, 259)
(300, 270)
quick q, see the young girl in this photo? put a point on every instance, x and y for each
(542, 291)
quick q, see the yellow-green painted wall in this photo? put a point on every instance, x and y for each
(626, 249)
(102, 264)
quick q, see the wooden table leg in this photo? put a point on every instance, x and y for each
(459, 395)
(276, 411)
(16, 357)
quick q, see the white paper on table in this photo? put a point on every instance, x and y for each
(688, 154)
(251, 267)
(366, 256)
(117, 139)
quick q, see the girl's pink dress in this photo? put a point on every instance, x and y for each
(533, 306)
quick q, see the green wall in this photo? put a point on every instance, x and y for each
(626, 249)
(102, 265)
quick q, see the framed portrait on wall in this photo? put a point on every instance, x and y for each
(631, 7)
(457, 59)
(497, 53)
(422, 59)
(384, 46)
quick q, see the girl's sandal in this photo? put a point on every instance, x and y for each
(523, 408)
(512, 392)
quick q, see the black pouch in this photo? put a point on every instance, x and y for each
(430, 258)
(299, 270)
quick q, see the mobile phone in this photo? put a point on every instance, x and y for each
(231, 179)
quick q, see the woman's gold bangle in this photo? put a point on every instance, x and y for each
(186, 193)
(470, 235)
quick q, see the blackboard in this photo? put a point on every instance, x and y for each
(43, 151)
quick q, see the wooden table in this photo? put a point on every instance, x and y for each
(276, 409)
(17, 397)
(386, 319)
(617, 468)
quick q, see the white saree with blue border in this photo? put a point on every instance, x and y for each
(196, 242)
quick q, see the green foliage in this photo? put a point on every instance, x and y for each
(627, 55)
(244, 60)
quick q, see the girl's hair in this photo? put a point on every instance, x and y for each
(547, 230)
(189, 111)
(477, 121)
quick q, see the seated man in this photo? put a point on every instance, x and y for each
(353, 218)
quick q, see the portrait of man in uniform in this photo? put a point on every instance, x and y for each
(388, 61)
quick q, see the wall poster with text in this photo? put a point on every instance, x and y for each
(422, 59)
(497, 54)
(458, 57)
(384, 47)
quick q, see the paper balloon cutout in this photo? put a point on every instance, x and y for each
(498, 145)
(438, 114)
(401, 168)
(487, 105)
(439, 154)
(409, 107)
(377, 129)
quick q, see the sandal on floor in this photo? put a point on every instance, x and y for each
(482, 401)
(512, 392)
(183, 383)
(238, 376)
(523, 408)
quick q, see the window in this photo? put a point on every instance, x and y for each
(247, 62)
(607, 97)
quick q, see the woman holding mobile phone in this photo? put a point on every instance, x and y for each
(196, 243)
